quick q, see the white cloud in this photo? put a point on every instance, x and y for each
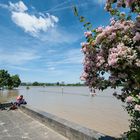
(51, 68)
(18, 7)
(57, 35)
(17, 58)
(42, 26)
(75, 56)
(70, 57)
(20, 68)
(33, 24)
(51, 51)
(100, 2)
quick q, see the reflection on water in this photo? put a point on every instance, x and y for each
(8, 95)
(103, 113)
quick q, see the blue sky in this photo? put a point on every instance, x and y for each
(40, 39)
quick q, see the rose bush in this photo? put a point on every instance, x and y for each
(115, 49)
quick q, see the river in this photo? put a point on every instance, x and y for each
(103, 112)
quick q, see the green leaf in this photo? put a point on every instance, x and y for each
(82, 19)
(75, 11)
(124, 5)
(86, 24)
(89, 27)
(114, 1)
(94, 31)
(90, 40)
(129, 17)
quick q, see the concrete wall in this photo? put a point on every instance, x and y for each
(3, 105)
(66, 128)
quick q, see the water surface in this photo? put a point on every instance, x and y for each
(103, 113)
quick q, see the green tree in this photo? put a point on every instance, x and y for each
(57, 83)
(8, 81)
(4, 78)
(35, 84)
(15, 81)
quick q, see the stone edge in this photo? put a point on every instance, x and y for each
(70, 130)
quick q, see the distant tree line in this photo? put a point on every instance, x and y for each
(8, 81)
(50, 84)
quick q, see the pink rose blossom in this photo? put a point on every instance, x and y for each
(129, 2)
(136, 37)
(112, 36)
(99, 29)
(87, 34)
(137, 107)
(138, 63)
(100, 37)
(83, 78)
(138, 96)
(129, 99)
(84, 44)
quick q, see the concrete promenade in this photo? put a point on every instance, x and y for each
(32, 124)
(16, 125)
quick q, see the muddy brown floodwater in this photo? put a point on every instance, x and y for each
(103, 112)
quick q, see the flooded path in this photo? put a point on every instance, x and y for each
(103, 113)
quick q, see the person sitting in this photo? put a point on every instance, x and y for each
(13, 107)
(20, 100)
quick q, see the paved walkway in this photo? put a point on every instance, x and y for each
(15, 125)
